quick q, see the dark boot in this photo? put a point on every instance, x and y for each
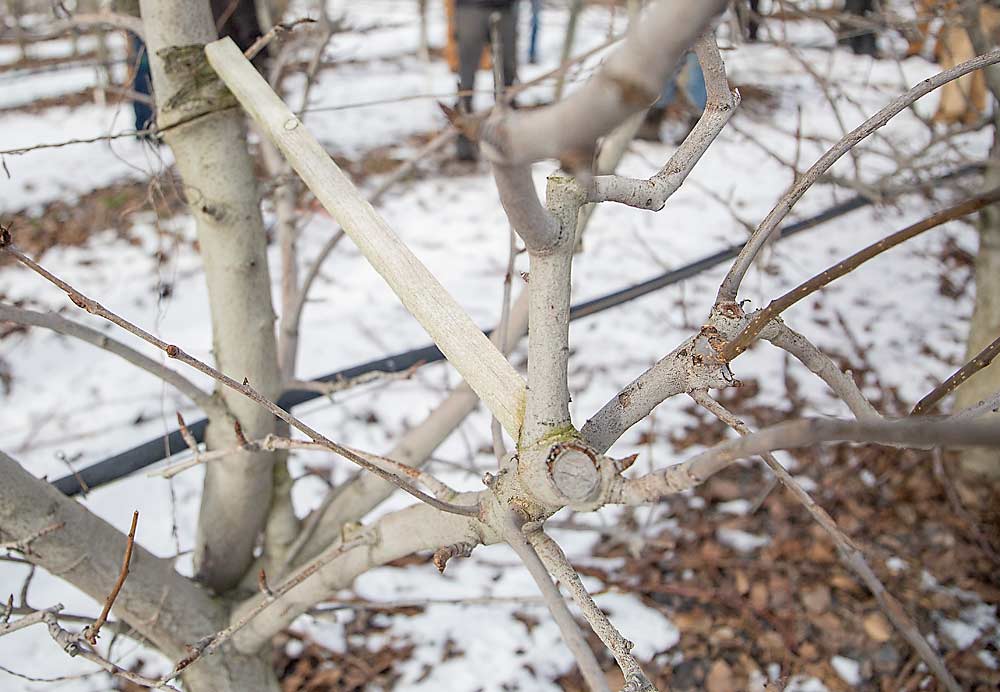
(650, 128)
(465, 149)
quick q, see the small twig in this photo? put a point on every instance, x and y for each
(261, 43)
(91, 633)
(273, 443)
(561, 70)
(342, 383)
(849, 552)
(187, 436)
(88, 140)
(25, 586)
(333, 606)
(978, 362)
(74, 644)
(761, 318)
(208, 644)
(30, 619)
(23, 545)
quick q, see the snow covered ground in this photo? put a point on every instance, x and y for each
(72, 404)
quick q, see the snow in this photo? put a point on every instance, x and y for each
(802, 683)
(72, 404)
(741, 541)
(896, 564)
(848, 669)
(974, 622)
(737, 507)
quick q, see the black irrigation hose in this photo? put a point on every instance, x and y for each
(148, 453)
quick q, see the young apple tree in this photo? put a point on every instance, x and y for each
(216, 630)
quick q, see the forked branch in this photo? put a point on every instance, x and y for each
(559, 566)
(575, 641)
(652, 194)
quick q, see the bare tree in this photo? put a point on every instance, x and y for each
(222, 643)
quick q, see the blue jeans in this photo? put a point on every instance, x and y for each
(694, 89)
(536, 9)
(143, 83)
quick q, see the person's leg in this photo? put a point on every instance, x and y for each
(141, 84)
(753, 21)
(508, 43)
(536, 10)
(862, 42)
(472, 27)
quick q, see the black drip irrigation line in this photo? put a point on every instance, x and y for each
(148, 453)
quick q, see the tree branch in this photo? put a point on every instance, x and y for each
(74, 644)
(652, 194)
(571, 634)
(418, 527)
(268, 597)
(692, 365)
(273, 443)
(731, 284)
(906, 432)
(312, 271)
(353, 499)
(978, 362)
(549, 293)
(86, 549)
(628, 81)
(61, 325)
(243, 388)
(480, 363)
(558, 565)
(849, 552)
(784, 337)
(742, 341)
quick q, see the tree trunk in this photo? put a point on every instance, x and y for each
(209, 144)
(985, 324)
(984, 327)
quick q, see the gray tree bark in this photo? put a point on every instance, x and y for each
(209, 144)
(985, 323)
(984, 327)
(164, 607)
